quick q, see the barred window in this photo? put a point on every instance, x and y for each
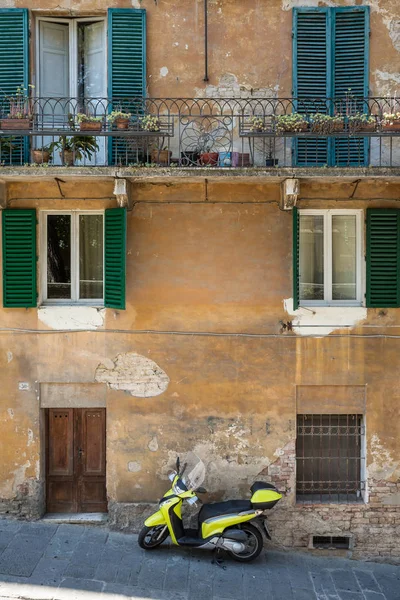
(330, 458)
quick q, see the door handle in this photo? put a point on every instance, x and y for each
(80, 452)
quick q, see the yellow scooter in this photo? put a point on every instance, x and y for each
(221, 525)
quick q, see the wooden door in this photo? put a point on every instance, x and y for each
(76, 460)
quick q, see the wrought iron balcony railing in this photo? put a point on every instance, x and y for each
(194, 132)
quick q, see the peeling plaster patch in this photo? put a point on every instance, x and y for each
(323, 320)
(394, 32)
(71, 317)
(10, 412)
(9, 356)
(133, 373)
(134, 467)
(153, 444)
(136, 3)
(383, 466)
(164, 71)
(186, 47)
(387, 81)
(289, 4)
(229, 87)
(30, 437)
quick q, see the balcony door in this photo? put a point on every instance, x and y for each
(71, 63)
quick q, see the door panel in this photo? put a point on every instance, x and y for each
(76, 460)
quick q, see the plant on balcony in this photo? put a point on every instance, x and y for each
(257, 124)
(362, 122)
(150, 123)
(20, 109)
(119, 118)
(391, 121)
(76, 147)
(293, 123)
(42, 155)
(326, 124)
(89, 122)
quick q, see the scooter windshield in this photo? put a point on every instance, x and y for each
(194, 471)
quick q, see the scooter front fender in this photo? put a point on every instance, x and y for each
(155, 519)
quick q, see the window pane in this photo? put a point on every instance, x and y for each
(311, 257)
(90, 256)
(58, 257)
(344, 257)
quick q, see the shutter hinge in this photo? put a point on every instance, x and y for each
(37, 258)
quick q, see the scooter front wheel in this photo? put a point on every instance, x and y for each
(254, 544)
(151, 537)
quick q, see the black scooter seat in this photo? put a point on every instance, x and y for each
(216, 509)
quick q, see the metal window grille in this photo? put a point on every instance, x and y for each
(329, 458)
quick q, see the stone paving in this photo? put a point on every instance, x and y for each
(72, 562)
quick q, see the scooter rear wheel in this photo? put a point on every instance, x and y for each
(151, 537)
(254, 544)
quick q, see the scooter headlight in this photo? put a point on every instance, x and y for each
(178, 490)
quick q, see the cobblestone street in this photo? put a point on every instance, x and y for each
(45, 561)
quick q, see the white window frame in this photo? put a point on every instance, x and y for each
(74, 300)
(327, 215)
(73, 50)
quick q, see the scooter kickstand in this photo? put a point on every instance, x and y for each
(218, 560)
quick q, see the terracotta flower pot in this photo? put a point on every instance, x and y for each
(90, 126)
(40, 156)
(209, 158)
(16, 124)
(122, 122)
(391, 126)
(68, 158)
(161, 157)
(339, 126)
(367, 127)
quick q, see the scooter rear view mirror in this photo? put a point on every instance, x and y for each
(178, 464)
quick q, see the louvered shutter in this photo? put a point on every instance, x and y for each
(115, 257)
(350, 76)
(14, 72)
(296, 259)
(19, 258)
(383, 258)
(126, 70)
(310, 78)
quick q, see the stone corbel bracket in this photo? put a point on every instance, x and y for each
(290, 192)
(123, 191)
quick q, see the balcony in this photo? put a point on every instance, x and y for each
(224, 134)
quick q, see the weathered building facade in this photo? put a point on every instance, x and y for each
(150, 310)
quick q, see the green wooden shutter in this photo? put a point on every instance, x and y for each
(115, 257)
(19, 257)
(383, 258)
(350, 72)
(126, 69)
(311, 63)
(296, 258)
(14, 71)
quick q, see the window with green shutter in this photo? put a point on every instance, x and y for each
(14, 72)
(126, 69)
(115, 257)
(19, 258)
(330, 60)
(383, 258)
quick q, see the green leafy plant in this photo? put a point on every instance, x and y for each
(360, 121)
(294, 122)
(150, 123)
(20, 103)
(118, 114)
(79, 145)
(321, 123)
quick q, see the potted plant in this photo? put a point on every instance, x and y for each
(257, 124)
(150, 123)
(293, 123)
(89, 122)
(325, 124)
(20, 109)
(160, 154)
(42, 155)
(362, 122)
(119, 118)
(391, 121)
(76, 147)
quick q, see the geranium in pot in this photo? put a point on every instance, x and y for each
(292, 123)
(160, 154)
(42, 155)
(89, 122)
(119, 118)
(76, 147)
(20, 109)
(391, 121)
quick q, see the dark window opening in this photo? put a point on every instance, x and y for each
(329, 458)
(331, 542)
